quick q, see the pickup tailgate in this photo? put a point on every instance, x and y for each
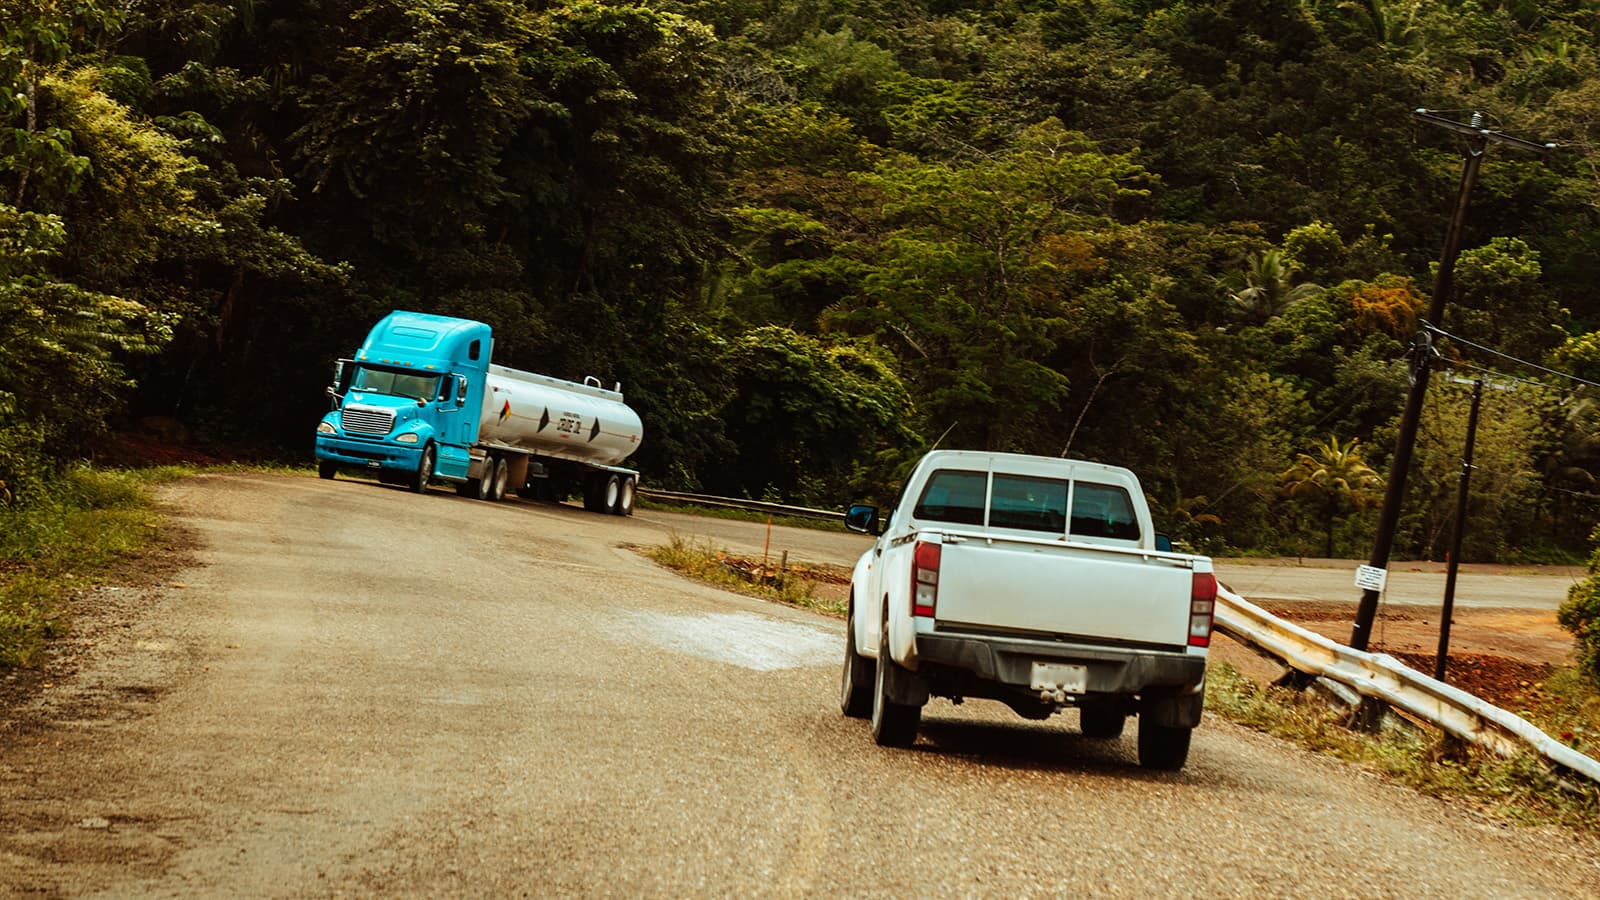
(1059, 589)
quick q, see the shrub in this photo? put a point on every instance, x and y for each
(1580, 614)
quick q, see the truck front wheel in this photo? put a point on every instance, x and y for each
(419, 483)
(893, 724)
(327, 468)
(855, 683)
(1163, 747)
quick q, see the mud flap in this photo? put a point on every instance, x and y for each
(903, 686)
(1182, 711)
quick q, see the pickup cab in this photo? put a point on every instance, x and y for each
(1036, 581)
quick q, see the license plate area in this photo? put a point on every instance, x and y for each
(1064, 677)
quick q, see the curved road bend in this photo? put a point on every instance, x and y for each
(360, 691)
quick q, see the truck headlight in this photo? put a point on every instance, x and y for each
(326, 427)
(409, 437)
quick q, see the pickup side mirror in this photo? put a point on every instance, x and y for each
(1163, 543)
(862, 518)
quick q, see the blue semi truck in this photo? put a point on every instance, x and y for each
(421, 401)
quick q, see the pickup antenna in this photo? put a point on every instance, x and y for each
(945, 435)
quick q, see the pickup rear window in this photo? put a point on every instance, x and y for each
(1028, 504)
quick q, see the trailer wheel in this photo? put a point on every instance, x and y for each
(486, 480)
(419, 483)
(613, 493)
(497, 486)
(326, 468)
(630, 492)
(594, 492)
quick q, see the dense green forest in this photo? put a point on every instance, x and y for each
(814, 237)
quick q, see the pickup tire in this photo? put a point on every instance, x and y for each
(855, 682)
(1102, 720)
(1164, 747)
(893, 724)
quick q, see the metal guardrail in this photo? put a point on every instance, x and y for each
(1382, 677)
(752, 505)
(1376, 675)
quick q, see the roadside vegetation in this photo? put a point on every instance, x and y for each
(815, 239)
(67, 540)
(1520, 789)
(796, 586)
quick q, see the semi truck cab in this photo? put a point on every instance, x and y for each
(413, 393)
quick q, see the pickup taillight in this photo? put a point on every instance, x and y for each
(1202, 606)
(924, 578)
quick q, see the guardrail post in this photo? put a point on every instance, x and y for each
(1368, 715)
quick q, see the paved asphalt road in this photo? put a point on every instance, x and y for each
(364, 692)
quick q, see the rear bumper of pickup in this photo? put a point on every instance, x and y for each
(1009, 662)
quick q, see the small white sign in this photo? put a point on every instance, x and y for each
(1370, 578)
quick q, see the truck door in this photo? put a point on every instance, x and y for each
(450, 406)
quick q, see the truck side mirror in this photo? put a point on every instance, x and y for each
(461, 390)
(862, 518)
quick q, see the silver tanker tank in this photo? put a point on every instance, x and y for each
(563, 419)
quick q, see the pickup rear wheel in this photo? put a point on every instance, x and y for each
(1163, 746)
(856, 681)
(893, 724)
(1101, 720)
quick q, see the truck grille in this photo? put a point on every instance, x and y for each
(365, 420)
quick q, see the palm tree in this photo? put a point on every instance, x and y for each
(1269, 287)
(1337, 475)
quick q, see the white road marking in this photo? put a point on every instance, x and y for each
(741, 639)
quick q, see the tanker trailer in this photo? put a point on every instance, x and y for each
(421, 401)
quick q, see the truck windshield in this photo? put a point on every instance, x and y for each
(401, 384)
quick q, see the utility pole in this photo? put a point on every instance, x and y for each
(1455, 540)
(1372, 576)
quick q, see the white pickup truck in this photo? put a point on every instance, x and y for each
(1035, 581)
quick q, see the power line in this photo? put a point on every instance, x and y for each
(1521, 362)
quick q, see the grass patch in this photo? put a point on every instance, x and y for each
(68, 541)
(701, 561)
(1519, 789)
(739, 515)
(1567, 706)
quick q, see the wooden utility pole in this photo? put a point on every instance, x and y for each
(1372, 576)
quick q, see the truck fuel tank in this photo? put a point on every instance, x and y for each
(563, 419)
